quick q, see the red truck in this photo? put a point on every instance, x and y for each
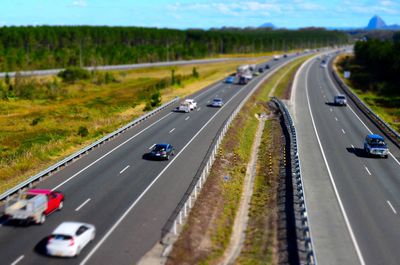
(34, 205)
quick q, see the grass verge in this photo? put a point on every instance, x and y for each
(209, 225)
(385, 106)
(38, 132)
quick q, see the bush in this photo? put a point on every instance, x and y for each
(195, 74)
(83, 131)
(73, 74)
(36, 120)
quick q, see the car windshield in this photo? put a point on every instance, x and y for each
(159, 148)
(217, 100)
(340, 97)
(376, 142)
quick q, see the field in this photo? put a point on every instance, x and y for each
(39, 131)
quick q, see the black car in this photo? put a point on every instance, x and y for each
(267, 66)
(161, 151)
(260, 70)
(285, 56)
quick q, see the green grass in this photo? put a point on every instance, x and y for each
(38, 132)
(231, 190)
(386, 106)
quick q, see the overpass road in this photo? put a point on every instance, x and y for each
(126, 197)
(353, 200)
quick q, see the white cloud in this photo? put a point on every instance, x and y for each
(79, 3)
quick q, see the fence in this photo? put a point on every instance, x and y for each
(381, 124)
(304, 239)
(73, 157)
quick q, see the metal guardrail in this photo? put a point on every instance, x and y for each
(306, 251)
(182, 209)
(381, 124)
(71, 158)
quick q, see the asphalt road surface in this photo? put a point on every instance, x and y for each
(126, 197)
(353, 200)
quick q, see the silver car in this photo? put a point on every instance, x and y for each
(217, 102)
(340, 100)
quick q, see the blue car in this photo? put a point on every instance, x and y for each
(230, 80)
(375, 145)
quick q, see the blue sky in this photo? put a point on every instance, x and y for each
(198, 13)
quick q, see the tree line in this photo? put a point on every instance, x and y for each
(48, 47)
(376, 65)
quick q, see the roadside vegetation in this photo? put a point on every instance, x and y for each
(207, 232)
(49, 47)
(375, 78)
(44, 119)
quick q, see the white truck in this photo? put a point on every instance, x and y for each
(27, 207)
(277, 57)
(187, 105)
(244, 73)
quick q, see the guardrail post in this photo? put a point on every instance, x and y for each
(175, 228)
(185, 209)
(190, 199)
(180, 217)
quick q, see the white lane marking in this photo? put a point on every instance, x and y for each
(115, 225)
(336, 119)
(391, 206)
(330, 109)
(172, 130)
(83, 204)
(18, 260)
(151, 147)
(343, 131)
(369, 173)
(324, 96)
(346, 219)
(123, 170)
(351, 109)
(199, 108)
(109, 152)
(188, 117)
(352, 146)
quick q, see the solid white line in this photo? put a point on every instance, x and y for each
(151, 147)
(391, 206)
(18, 260)
(172, 130)
(336, 119)
(125, 168)
(351, 109)
(353, 238)
(188, 117)
(83, 204)
(343, 131)
(109, 152)
(109, 232)
(369, 173)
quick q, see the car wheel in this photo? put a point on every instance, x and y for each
(386, 156)
(93, 235)
(78, 251)
(61, 205)
(42, 219)
(167, 157)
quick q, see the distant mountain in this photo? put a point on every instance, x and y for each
(377, 23)
(267, 25)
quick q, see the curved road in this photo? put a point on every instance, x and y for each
(128, 198)
(353, 200)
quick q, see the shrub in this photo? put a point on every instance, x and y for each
(73, 74)
(195, 74)
(83, 131)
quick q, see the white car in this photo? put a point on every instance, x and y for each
(217, 102)
(188, 105)
(69, 238)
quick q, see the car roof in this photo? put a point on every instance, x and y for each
(217, 99)
(68, 228)
(375, 136)
(162, 144)
(340, 95)
(39, 191)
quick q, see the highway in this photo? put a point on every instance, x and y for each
(126, 197)
(353, 200)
